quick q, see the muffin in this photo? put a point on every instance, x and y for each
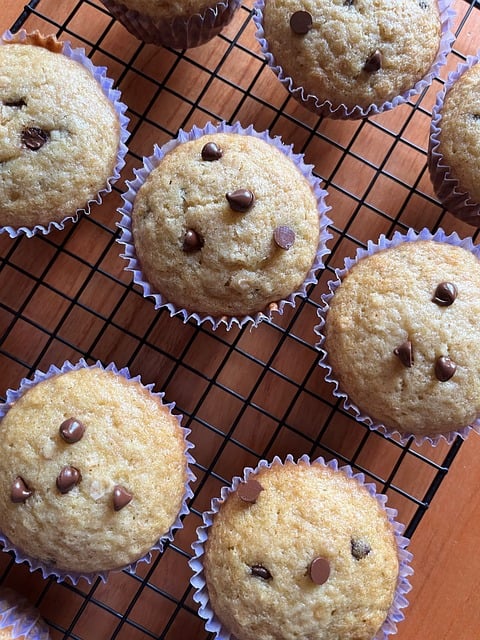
(454, 145)
(62, 133)
(300, 550)
(401, 336)
(224, 224)
(19, 619)
(357, 58)
(180, 25)
(95, 471)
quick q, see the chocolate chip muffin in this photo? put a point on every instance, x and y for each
(454, 149)
(226, 223)
(401, 336)
(19, 619)
(350, 59)
(180, 25)
(61, 132)
(94, 471)
(298, 550)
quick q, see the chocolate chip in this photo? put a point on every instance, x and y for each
(444, 368)
(249, 491)
(34, 138)
(72, 430)
(260, 571)
(301, 22)
(211, 152)
(121, 497)
(349, 3)
(68, 478)
(16, 104)
(373, 62)
(475, 116)
(445, 294)
(359, 548)
(319, 570)
(20, 492)
(284, 237)
(423, 5)
(192, 241)
(240, 200)
(404, 353)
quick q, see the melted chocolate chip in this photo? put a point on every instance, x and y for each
(373, 62)
(349, 3)
(20, 491)
(444, 368)
(260, 571)
(34, 138)
(16, 104)
(250, 490)
(301, 22)
(284, 237)
(72, 430)
(445, 294)
(404, 353)
(475, 116)
(121, 497)
(423, 5)
(319, 570)
(68, 478)
(192, 241)
(211, 152)
(359, 548)
(240, 200)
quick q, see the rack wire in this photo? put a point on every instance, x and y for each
(245, 394)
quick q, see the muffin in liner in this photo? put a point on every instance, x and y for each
(20, 555)
(127, 239)
(19, 618)
(198, 580)
(455, 198)
(177, 31)
(51, 43)
(329, 109)
(361, 416)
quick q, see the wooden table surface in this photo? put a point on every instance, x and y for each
(445, 600)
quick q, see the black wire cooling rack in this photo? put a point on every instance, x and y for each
(245, 394)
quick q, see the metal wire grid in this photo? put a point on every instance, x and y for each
(245, 394)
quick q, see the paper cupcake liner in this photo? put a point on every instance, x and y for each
(113, 95)
(341, 111)
(152, 161)
(446, 186)
(74, 576)
(179, 32)
(213, 624)
(20, 617)
(384, 243)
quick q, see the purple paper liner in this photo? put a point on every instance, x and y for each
(384, 243)
(114, 96)
(446, 186)
(200, 595)
(20, 617)
(179, 32)
(20, 556)
(341, 112)
(149, 163)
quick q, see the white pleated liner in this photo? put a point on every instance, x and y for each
(114, 96)
(341, 111)
(213, 624)
(151, 162)
(384, 243)
(20, 617)
(74, 577)
(446, 186)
